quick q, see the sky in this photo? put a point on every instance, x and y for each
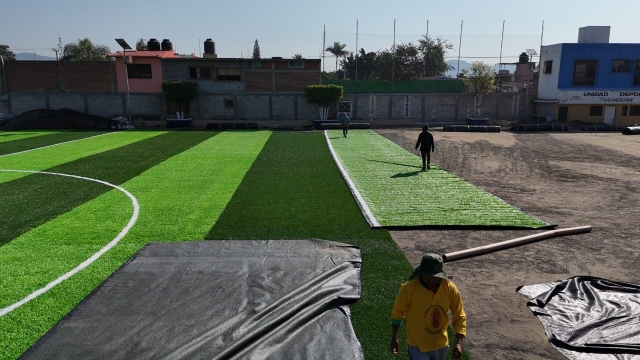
(284, 28)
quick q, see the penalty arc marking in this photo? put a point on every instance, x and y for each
(94, 257)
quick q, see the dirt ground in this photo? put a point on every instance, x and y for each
(568, 179)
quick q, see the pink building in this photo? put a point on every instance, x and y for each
(144, 69)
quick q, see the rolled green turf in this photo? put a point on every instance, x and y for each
(24, 134)
(180, 199)
(397, 193)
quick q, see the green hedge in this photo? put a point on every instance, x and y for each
(180, 90)
(324, 95)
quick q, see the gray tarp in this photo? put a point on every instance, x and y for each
(588, 318)
(218, 300)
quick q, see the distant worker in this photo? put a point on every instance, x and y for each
(424, 302)
(426, 144)
(344, 121)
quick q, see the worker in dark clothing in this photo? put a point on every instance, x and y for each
(425, 142)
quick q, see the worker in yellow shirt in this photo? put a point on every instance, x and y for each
(425, 301)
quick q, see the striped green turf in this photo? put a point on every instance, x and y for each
(180, 199)
(398, 194)
(294, 191)
(41, 159)
(25, 134)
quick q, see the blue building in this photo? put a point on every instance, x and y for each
(592, 80)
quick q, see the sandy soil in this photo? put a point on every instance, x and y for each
(568, 179)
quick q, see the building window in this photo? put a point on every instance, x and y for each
(621, 66)
(200, 73)
(596, 111)
(228, 104)
(634, 110)
(139, 71)
(296, 64)
(625, 109)
(584, 73)
(636, 75)
(548, 66)
(229, 73)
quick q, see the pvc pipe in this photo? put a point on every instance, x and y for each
(481, 250)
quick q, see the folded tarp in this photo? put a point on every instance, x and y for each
(631, 130)
(218, 300)
(589, 318)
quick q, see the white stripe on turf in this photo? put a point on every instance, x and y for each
(48, 146)
(94, 257)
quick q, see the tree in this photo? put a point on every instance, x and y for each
(6, 53)
(480, 81)
(338, 50)
(85, 50)
(141, 45)
(298, 57)
(256, 50)
(433, 52)
(365, 62)
(181, 92)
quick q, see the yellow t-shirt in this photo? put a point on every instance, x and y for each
(427, 314)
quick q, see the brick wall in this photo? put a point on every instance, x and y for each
(253, 107)
(89, 76)
(107, 105)
(258, 81)
(296, 81)
(148, 104)
(56, 76)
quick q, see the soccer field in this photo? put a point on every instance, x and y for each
(76, 206)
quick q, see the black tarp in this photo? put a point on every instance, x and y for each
(601, 127)
(284, 299)
(631, 130)
(471, 128)
(539, 127)
(588, 317)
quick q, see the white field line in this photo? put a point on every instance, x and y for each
(48, 146)
(368, 215)
(94, 257)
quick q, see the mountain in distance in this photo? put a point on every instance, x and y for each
(32, 57)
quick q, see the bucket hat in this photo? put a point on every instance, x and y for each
(431, 264)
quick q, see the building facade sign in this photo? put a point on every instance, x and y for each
(599, 97)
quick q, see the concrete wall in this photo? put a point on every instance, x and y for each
(548, 83)
(279, 107)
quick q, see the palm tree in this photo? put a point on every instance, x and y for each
(338, 50)
(85, 50)
(297, 57)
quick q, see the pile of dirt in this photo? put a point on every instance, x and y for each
(56, 119)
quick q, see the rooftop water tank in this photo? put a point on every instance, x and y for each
(209, 47)
(167, 45)
(524, 58)
(153, 45)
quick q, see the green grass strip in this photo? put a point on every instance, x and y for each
(180, 199)
(50, 157)
(45, 140)
(18, 135)
(295, 191)
(40, 198)
(398, 194)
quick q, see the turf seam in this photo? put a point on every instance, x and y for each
(371, 219)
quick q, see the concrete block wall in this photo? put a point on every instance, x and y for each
(73, 101)
(283, 107)
(23, 102)
(213, 107)
(253, 107)
(147, 104)
(107, 105)
(307, 111)
(4, 104)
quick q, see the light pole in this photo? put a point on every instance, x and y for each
(126, 47)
